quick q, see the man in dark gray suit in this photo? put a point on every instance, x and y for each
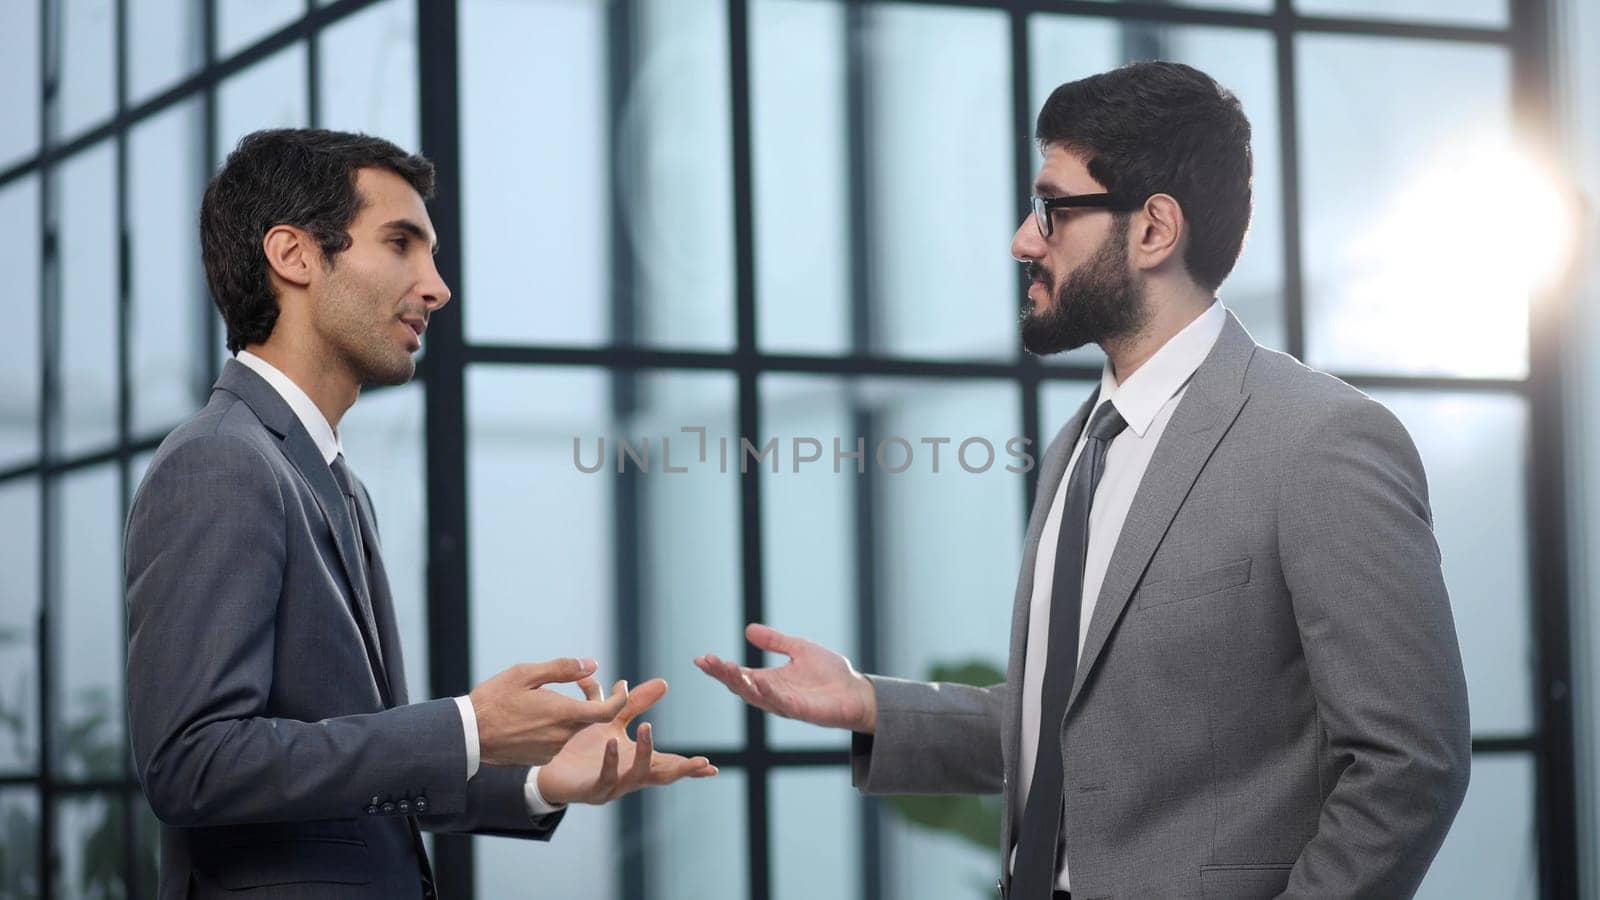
(1233, 669)
(271, 725)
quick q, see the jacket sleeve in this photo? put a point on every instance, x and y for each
(931, 738)
(205, 555)
(1363, 572)
(497, 805)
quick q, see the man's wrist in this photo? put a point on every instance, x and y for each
(537, 804)
(869, 706)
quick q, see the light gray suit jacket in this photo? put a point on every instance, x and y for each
(275, 755)
(1270, 699)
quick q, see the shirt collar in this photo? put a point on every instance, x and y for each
(316, 424)
(1163, 375)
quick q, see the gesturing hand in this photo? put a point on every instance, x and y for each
(522, 723)
(816, 685)
(601, 763)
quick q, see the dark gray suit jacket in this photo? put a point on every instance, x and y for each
(275, 755)
(1270, 699)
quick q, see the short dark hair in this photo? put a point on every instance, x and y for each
(1164, 127)
(305, 177)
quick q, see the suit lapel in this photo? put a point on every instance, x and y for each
(1208, 409)
(302, 453)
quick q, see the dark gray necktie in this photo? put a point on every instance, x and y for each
(364, 617)
(1034, 875)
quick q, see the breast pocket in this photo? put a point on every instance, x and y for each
(1193, 586)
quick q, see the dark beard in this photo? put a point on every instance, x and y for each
(1101, 301)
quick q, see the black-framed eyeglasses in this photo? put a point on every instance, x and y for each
(1044, 206)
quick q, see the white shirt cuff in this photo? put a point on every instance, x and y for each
(537, 805)
(469, 726)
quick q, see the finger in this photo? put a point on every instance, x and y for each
(606, 782)
(555, 671)
(591, 689)
(720, 670)
(669, 767)
(597, 711)
(732, 675)
(768, 638)
(642, 698)
(643, 754)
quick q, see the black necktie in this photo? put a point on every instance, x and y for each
(347, 487)
(1034, 875)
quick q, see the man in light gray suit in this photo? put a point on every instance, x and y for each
(271, 725)
(1233, 669)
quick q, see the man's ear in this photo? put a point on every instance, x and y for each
(290, 254)
(1157, 233)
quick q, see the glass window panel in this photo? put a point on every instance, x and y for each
(816, 835)
(170, 303)
(1582, 27)
(566, 275)
(810, 530)
(165, 43)
(533, 514)
(139, 466)
(950, 538)
(19, 616)
(88, 245)
(690, 569)
(584, 860)
(674, 173)
(801, 170)
(383, 442)
(1473, 448)
(1490, 852)
(534, 510)
(368, 74)
(88, 65)
(921, 862)
(241, 23)
(1487, 13)
(1405, 272)
(19, 71)
(147, 849)
(535, 172)
(19, 843)
(943, 282)
(89, 847)
(269, 94)
(1066, 48)
(19, 365)
(697, 840)
(1058, 403)
(88, 636)
(1238, 5)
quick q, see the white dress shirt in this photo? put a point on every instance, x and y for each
(327, 441)
(1146, 401)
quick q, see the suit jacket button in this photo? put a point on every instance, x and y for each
(372, 810)
(388, 809)
(421, 805)
(405, 806)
